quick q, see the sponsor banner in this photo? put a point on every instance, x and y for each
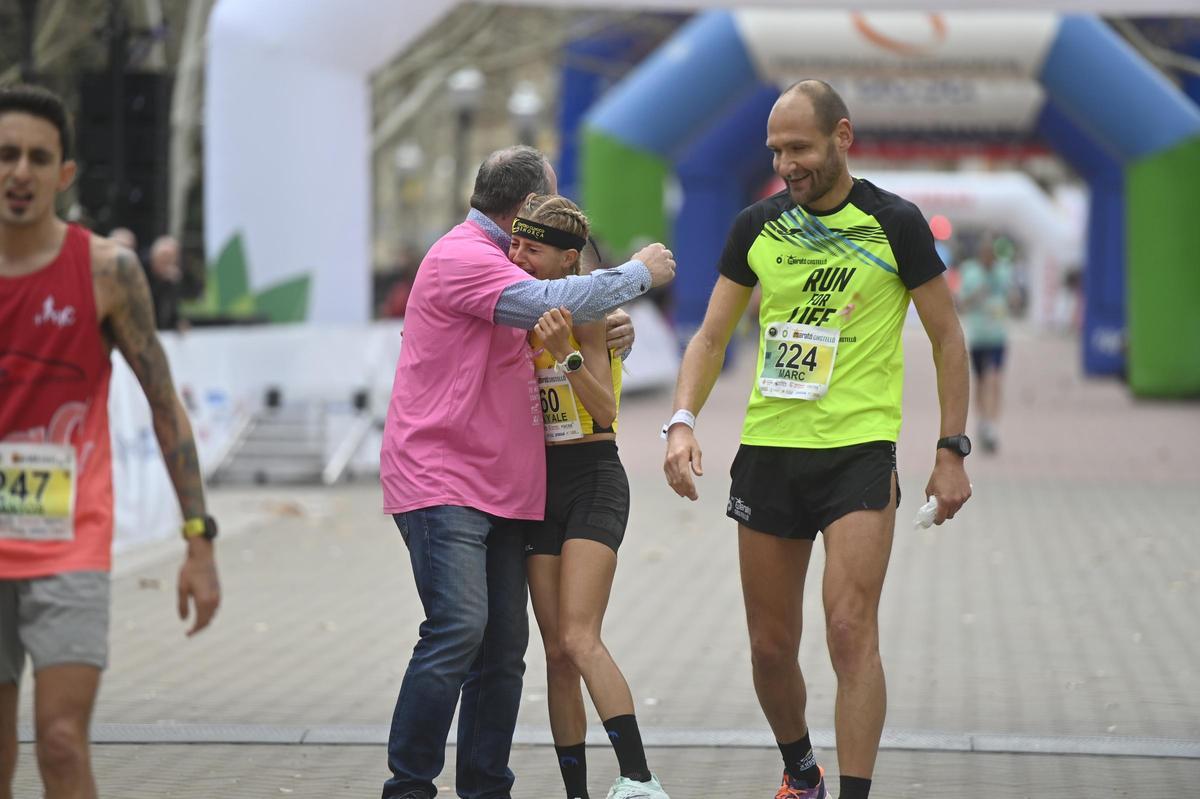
(983, 46)
(911, 71)
(947, 105)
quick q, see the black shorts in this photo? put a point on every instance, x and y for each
(795, 493)
(984, 359)
(587, 496)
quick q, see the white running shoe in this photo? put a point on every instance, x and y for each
(625, 788)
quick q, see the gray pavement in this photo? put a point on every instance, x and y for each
(223, 770)
(1057, 614)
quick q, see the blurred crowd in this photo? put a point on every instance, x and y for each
(170, 282)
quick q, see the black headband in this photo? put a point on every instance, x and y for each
(536, 231)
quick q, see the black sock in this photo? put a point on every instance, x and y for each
(800, 762)
(854, 788)
(627, 742)
(572, 762)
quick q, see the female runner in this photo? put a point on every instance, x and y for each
(572, 555)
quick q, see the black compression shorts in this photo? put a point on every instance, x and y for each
(795, 493)
(587, 496)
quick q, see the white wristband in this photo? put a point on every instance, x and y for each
(682, 416)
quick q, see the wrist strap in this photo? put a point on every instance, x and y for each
(561, 366)
(682, 416)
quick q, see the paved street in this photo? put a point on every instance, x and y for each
(1056, 615)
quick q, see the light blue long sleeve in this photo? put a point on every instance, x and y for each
(588, 297)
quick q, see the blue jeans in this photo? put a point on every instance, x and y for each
(470, 572)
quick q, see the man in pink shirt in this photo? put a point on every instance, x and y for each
(462, 458)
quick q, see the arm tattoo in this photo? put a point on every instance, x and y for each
(132, 326)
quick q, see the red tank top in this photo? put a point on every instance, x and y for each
(54, 374)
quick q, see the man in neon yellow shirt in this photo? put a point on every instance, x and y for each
(838, 260)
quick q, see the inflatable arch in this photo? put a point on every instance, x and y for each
(695, 112)
(288, 147)
(1006, 201)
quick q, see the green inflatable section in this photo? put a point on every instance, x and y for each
(631, 210)
(227, 291)
(1164, 272)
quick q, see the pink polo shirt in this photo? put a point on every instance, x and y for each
(464, 426)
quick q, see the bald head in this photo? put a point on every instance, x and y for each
(809, 135)
(827, 105)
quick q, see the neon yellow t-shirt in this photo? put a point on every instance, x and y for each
(830, 369)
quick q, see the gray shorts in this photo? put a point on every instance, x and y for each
(58, 619)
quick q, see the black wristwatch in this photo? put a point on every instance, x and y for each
(200, 527)
(959, 445)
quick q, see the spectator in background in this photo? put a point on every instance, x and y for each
(124, 237)
(166, 277)
(402, 276)
(987, 296)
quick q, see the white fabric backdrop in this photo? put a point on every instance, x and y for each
(222, 375)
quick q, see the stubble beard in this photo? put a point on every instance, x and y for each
(819, 185)
(822, 181)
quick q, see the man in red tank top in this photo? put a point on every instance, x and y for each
(66, 299)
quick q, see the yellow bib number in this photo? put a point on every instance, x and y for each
(37, 492)
(560, 416)
(797, 361)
